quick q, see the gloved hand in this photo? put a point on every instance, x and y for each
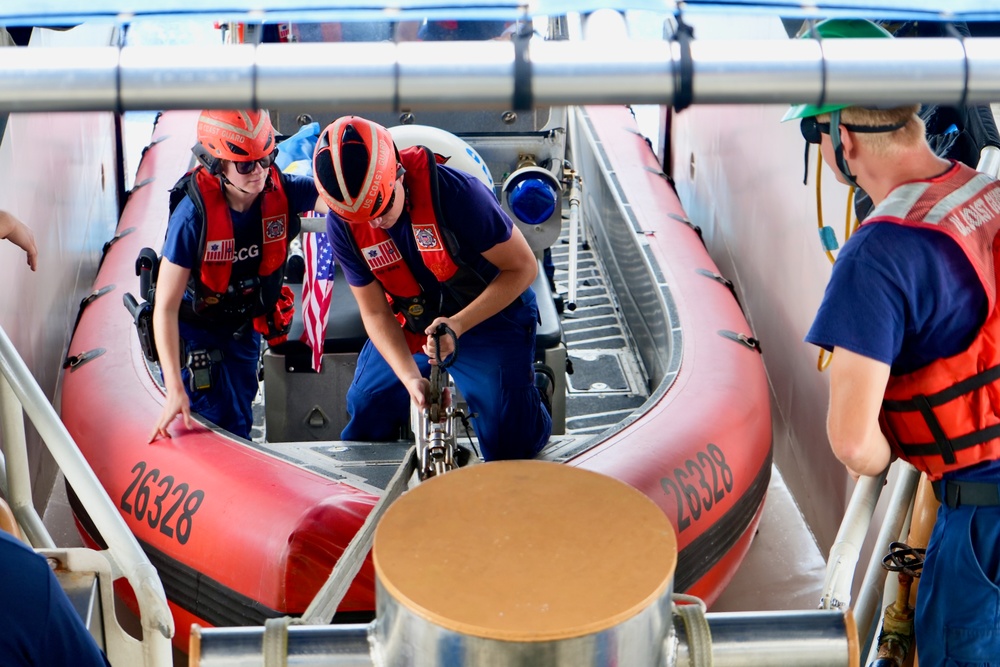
(275, 325)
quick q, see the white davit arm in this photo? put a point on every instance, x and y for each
(846, 548)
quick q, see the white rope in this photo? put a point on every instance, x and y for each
(699, 634)
(328, 598)
(275, 641)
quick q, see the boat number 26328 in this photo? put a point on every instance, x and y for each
(161, 502)
(698, 484)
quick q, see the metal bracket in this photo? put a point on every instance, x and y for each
(74, 362)
(742, 338)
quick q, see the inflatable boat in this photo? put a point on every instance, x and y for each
(659, 384)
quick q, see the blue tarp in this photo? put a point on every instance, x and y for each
(65, 12)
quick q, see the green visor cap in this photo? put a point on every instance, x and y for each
(833, 29)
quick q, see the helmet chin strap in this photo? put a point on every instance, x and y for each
(838, 149)
(226, 181)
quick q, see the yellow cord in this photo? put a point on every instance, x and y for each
(848, 227)
(823, 362)
(819, 199)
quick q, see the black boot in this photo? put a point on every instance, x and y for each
(545, 382)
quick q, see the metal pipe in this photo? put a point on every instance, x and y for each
(846, 548)
(485, 75)
(820, 638)
(18, 475)
(870, 593)
(989, 161)
(127, 558)
(575, 230)
(308, 646)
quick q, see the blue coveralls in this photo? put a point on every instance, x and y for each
(40, 625)
(494, 366)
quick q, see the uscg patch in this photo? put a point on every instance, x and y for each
(426, 238)
(274, 228)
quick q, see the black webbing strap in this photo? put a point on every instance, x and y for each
(946, 395)
(957, 444)
(524, 98)
(925, 404)
(945, 446)
(684, 73)
(956, 493)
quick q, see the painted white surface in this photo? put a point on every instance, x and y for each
(61, 184)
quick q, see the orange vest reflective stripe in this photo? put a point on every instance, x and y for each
(946, 415)
(390, 269)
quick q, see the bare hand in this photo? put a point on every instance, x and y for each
(418, 388)
(177, 403)
(447, 342)
(22, 236)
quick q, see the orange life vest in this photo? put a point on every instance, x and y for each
(211, 282)
(438, 251)
(946, 415)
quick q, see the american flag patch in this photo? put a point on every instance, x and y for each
(382, 254)
(274, 228)
(220, 251)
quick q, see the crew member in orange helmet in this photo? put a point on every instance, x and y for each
(220, 281)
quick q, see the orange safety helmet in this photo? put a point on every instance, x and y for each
(239, 136)
(354, 167)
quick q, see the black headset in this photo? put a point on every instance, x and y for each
(210, 162)
(838, 148)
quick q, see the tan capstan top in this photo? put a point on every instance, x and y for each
(525, 551)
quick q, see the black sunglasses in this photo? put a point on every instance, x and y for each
(812, 130)
(248, 167)
(399, 174)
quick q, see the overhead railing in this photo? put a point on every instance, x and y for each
(20, 395)
(386, 76)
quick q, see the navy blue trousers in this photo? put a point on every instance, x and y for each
(957, 620)
(493, 370)
(229, 401)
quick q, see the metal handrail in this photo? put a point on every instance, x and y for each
(124, 554)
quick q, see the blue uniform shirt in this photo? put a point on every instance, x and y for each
(493, 368)
(472, 214)
(902, 296)
(40, 626)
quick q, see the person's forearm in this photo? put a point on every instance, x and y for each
(7, 224)
(857, 386)
(866, 458)
(167, 335)
(507, 286)
(387, 337)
